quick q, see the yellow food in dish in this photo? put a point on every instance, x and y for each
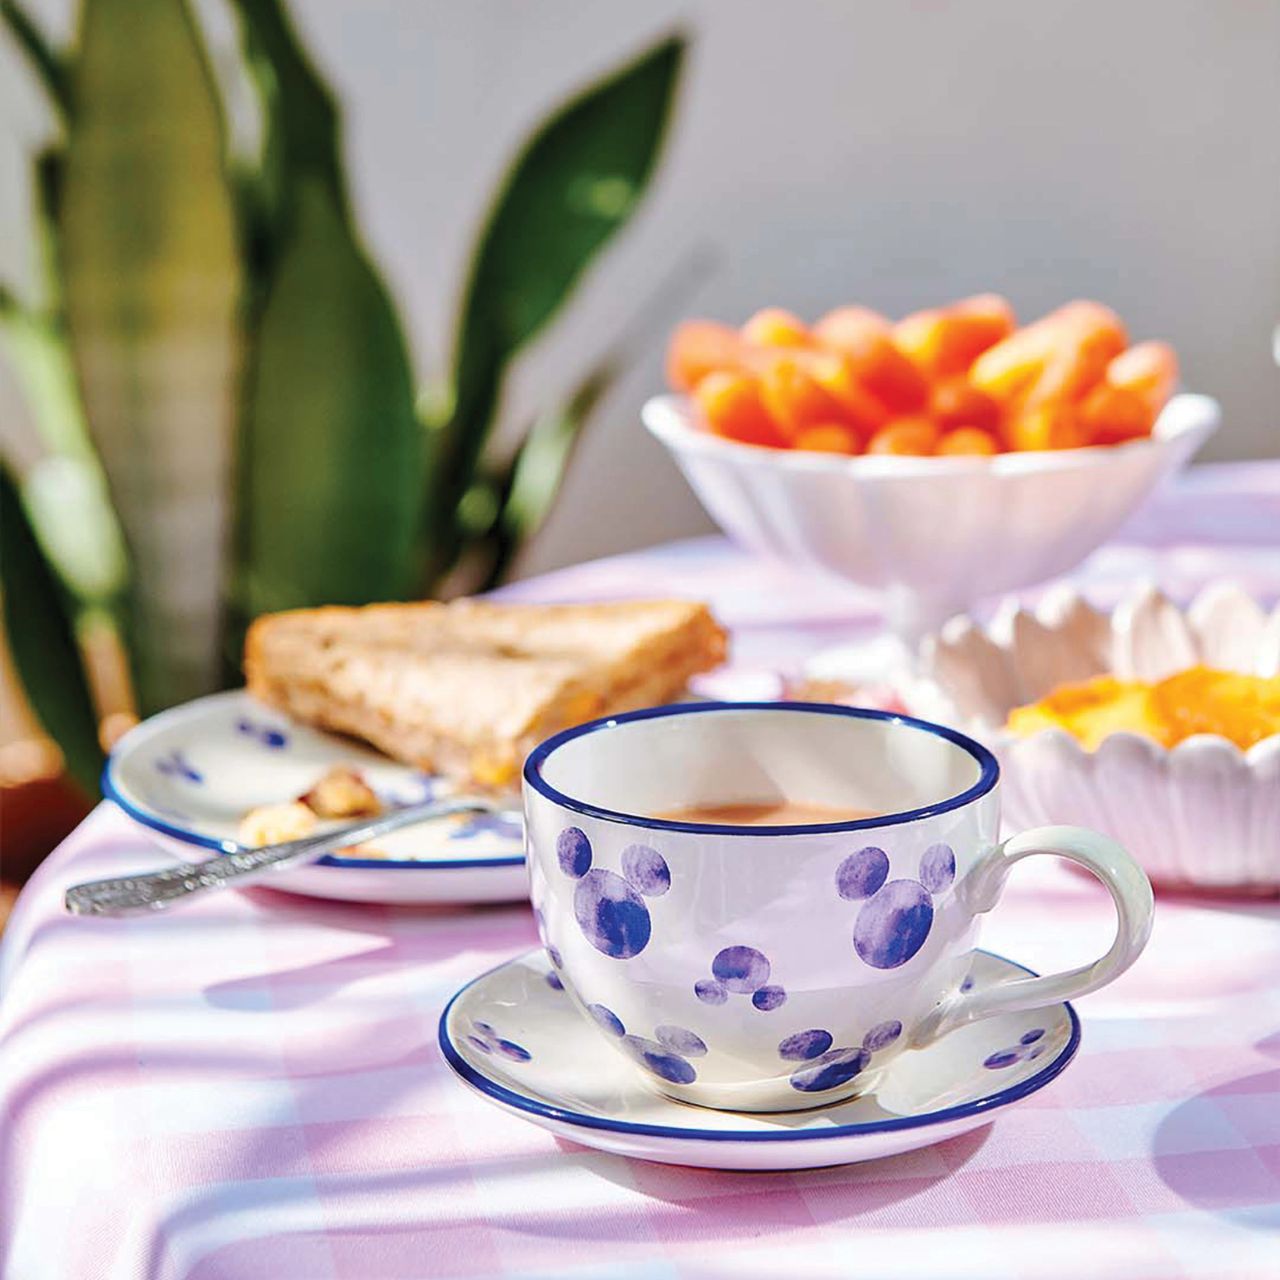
(276, 824)
(1245, 709)
(340, 793)
(1242, 708)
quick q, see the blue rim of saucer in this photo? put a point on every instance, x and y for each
(989, 770)
(522, 1102)
(112, 791)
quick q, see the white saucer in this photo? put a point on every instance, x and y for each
(190, 774)
(517, 1038)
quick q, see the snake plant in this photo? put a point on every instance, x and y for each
(224, 414)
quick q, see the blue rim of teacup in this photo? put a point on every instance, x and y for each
(523, 1102)
(988, 776)
(145, 817)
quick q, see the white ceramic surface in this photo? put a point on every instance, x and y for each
(769, 968)
(190, 774)
(516, 1038)
(1200, 815)
(933, 535)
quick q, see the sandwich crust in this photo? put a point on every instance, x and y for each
(468, 688)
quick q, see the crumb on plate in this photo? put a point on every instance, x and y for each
(276, 824)
(342, 793)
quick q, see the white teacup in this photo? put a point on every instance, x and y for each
(777, 968)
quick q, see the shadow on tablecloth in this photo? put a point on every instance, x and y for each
(1220, 1149)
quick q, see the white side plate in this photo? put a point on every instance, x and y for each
(191, 773)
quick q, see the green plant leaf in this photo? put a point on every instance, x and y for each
(333, 460)
(575, 183)
(533, 479)
(151, 278)
(332, 452)
(301, 134)
(527, 488)
(48, 64)
(42, 642)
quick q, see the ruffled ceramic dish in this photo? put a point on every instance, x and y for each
(1202, 815)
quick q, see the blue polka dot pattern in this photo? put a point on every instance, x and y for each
(681, 1040)
(1028, 1048)
(664, 1064)
(554, 982)
(611, 914)
(1005, 1058)
(769, 998)
(573, 852)
(709, 991)
(832, 1069)
(861, 874)
(896, 916)
(607, 906)
(893, 926)
(881, 1036)
(938, 868)
(487, 1040)
(646, 870)
(805, 1045)
(607, 1019)
(828, 1068)
(741, 969)
(666, 1056)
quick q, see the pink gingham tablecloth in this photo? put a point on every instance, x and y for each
(251, 1087)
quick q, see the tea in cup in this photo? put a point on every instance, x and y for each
(754, 964)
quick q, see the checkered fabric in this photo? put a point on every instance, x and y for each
(251, 1087)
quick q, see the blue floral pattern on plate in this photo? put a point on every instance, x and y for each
(176, 765)
(503, 826)
(268, 735)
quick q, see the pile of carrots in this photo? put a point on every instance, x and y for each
(960, 379)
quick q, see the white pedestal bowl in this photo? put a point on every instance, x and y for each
(933, 536)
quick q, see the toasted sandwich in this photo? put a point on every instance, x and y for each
(468, 688)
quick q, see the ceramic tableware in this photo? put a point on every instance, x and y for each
(759, 968)
(190, 774)
(517, 1038)
(1203, 815)
(932, 535)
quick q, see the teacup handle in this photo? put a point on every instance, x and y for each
(981, 888)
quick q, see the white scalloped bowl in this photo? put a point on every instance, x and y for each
(1202, 815)
(934, 535)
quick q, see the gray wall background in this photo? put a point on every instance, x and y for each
(895, 153)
